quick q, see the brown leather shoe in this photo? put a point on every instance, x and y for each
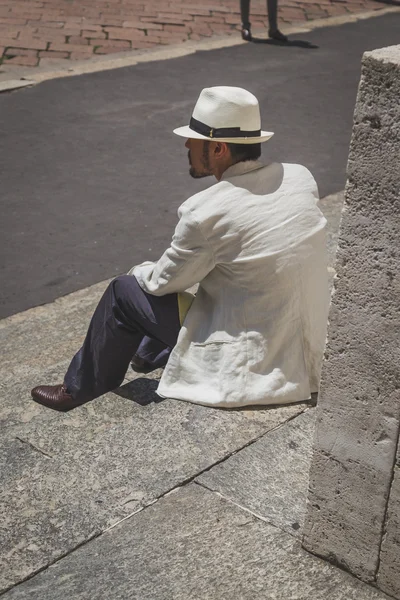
(55, 397)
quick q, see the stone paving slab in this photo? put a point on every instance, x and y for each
(156, 447)
(270, 477)
(46, 32)
(190, 545)
(87, 469)
(43, 514)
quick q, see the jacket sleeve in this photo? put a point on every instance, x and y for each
(186, 262)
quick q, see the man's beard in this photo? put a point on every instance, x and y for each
(197, 174)
(193, 172)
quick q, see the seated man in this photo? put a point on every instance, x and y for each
(255, 243)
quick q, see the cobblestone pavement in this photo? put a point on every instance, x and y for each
(39, 32)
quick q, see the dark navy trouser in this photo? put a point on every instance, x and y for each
(155, 353)
(126, 321)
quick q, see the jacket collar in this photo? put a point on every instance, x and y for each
(241, 168)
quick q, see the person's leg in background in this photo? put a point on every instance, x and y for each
(245, 16)
(273, 31)
(124, 315)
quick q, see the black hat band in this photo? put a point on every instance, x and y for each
(221, 132)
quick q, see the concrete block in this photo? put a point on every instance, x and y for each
(389, 571)
(344, 522)
(359, 408)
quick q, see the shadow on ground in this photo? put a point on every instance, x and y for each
(290, 43)
(141, 390)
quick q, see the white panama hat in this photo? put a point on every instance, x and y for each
(226, 114)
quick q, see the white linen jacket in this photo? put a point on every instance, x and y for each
(255, 333)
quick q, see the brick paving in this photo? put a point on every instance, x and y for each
(37, 32)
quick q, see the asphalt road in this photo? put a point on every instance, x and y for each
(92, 175)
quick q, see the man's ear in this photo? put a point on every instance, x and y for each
(221, 150)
